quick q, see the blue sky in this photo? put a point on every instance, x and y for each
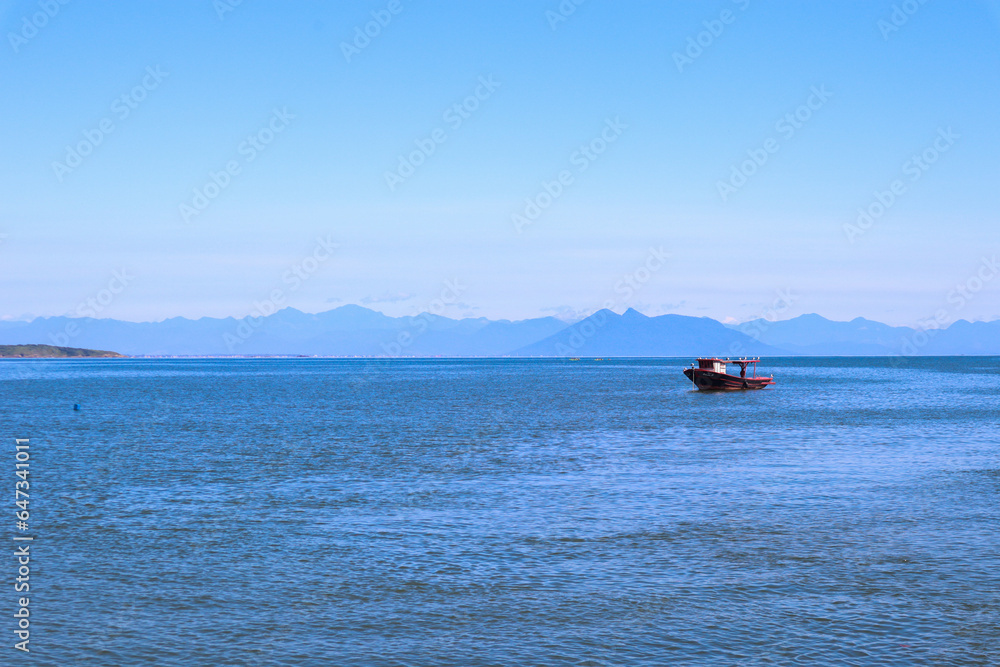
(663, 133)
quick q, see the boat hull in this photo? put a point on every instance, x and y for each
(707, 380)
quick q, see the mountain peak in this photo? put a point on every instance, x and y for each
(603, 312)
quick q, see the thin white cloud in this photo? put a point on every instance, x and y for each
(387, 297)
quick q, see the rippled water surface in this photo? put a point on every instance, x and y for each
(506, 512)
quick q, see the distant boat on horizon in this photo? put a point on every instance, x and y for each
(711, 375)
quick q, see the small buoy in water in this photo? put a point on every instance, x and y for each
(76, 406)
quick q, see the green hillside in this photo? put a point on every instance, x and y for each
(51, 351)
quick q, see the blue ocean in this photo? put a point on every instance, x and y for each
(506, 512)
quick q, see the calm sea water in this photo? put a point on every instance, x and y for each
(505, 512)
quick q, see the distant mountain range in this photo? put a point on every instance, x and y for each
(351, 331)
(813, 335)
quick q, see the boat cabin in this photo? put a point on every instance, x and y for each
(715, 365)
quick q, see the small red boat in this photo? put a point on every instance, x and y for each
(710, 375)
